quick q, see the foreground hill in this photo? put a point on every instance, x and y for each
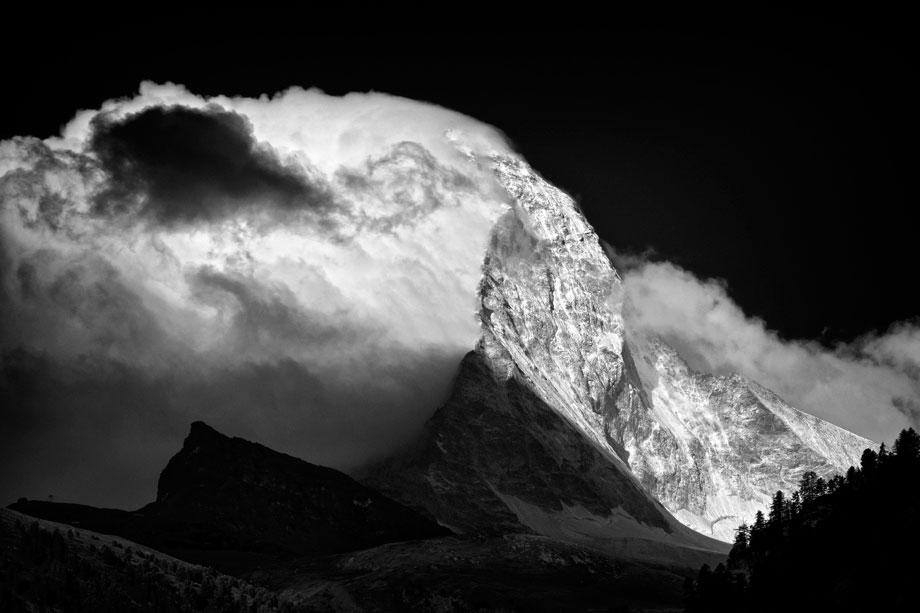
(235, 504)
(50, 566)
(46, 566)
(510, 573)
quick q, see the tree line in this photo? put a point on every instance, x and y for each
(848, 543)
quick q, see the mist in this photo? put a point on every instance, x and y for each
(870, 385)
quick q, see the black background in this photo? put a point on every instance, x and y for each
(772, 152)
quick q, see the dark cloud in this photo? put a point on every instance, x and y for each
(178, 165)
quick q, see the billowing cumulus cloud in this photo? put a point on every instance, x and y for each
(870, 386)
(299, 270)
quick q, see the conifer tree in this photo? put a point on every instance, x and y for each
(795, 505)
(907, 445)
(869, 461)
(778, 508)
(739, 554)
(807, 486)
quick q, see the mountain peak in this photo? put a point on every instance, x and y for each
(552, 315)
(550, 302)
(200, 431)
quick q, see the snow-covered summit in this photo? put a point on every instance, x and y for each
(711, 449)
(544, 293)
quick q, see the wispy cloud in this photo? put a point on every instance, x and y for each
(870, 385)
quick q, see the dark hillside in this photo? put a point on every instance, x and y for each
(235, 505)
(848, 544)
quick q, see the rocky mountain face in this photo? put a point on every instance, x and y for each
(565, 423)
(714, 449)
(233, 503)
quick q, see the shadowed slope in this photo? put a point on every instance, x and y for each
(496, 459)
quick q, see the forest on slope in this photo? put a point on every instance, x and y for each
(849, 543)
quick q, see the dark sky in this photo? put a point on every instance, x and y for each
(773, 156)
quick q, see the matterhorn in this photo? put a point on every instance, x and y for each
(564, 422)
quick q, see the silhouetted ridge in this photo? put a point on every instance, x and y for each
(221, 498)
(198, 430)
(209, 458)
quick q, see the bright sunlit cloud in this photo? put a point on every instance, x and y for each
(300, 270)
(870, 386)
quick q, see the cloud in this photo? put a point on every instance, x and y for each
(266, 315)
(899, 348)
(870, 386)
(298, 269)
(182, 165)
